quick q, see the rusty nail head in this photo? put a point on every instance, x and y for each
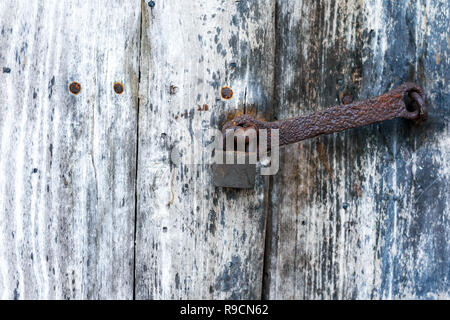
(75, 88)
(118, 88)
(173, 89)
(226, 93)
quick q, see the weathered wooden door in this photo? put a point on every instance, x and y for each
(92, 204)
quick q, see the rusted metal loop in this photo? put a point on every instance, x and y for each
(420, 105)
(414, 104)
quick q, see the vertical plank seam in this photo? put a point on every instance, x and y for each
(137, 149)
(245, 100)
(268, 237)
(267, 242)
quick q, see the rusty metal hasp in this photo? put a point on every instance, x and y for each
(406, 101)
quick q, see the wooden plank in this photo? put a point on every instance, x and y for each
(365, 213)
(67, 165)
(195, 240)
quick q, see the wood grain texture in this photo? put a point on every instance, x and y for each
(92, 205)
(365, 213)
(194, 240)
(67, 164)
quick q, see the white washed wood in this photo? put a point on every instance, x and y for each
(194, 240)
(365, 213)
(66, 230)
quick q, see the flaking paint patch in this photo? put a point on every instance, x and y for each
(231, 277)
(377, 21)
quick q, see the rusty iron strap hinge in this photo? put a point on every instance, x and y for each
(406, 101)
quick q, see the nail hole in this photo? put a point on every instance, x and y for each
(226, 93)
(6, 70)
(75, 88)
(118, 88)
